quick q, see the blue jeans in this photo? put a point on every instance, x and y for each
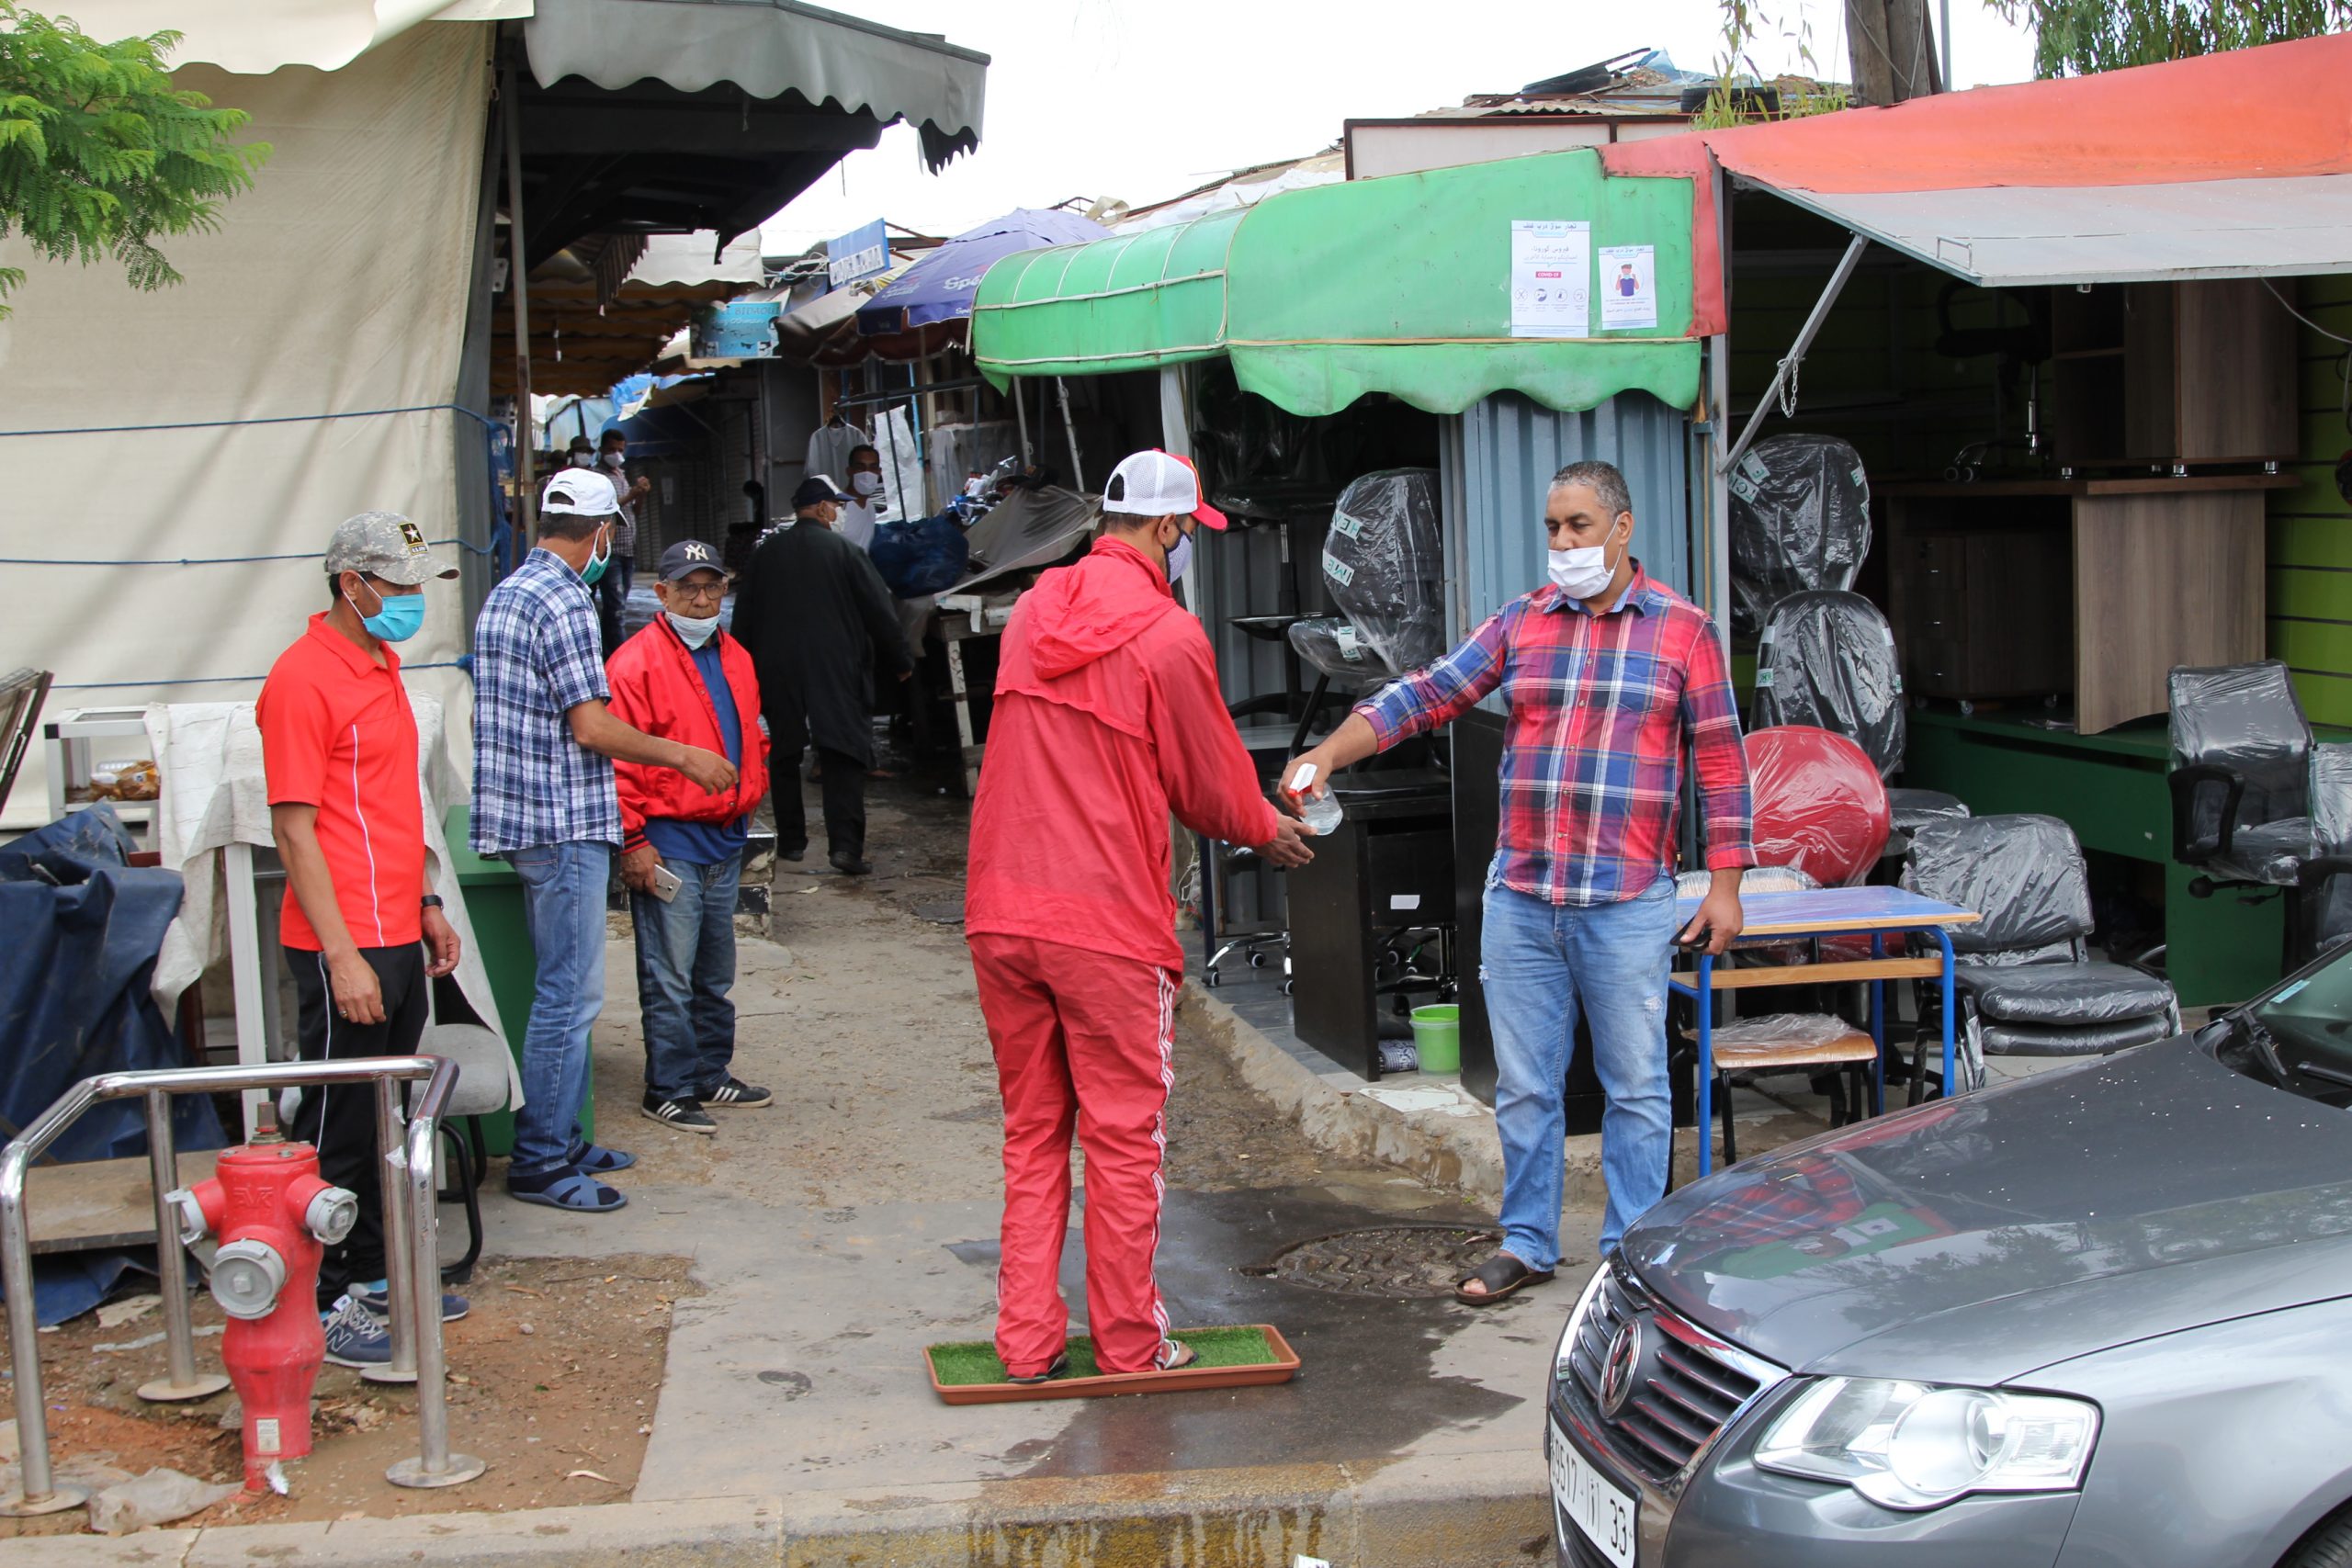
(1542, 963)
(686, 966)
(563, 904)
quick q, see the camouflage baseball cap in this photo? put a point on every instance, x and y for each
(384, 544)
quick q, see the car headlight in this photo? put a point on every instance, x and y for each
(1910, 1445)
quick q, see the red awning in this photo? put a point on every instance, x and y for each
(2267, 118)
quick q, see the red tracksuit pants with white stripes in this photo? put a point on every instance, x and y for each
(1083, 1041)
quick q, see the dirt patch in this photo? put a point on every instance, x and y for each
(554, 1375)
(1225, 1137)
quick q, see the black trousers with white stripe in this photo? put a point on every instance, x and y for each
(341, 1118)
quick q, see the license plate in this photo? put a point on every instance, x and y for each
(1590, 1504)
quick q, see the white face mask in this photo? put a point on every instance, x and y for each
(1180, 558)
(1580, 573)
(866, 484)
(692, 631)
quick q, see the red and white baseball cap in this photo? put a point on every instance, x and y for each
(1159, 484)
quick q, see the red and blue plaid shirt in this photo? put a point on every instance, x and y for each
(1601, 706)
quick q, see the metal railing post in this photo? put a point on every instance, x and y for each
(411, 1252)
(434, 1464)
(181, 1382)
(392, 1176)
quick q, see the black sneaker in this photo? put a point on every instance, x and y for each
(686, 1115)
(849, 864)
(735, 1092)
(794, 854)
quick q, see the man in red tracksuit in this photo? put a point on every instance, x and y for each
(1107, 718)
(685, 679)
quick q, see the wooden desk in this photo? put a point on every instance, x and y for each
(2029, 588)
(1874, 912)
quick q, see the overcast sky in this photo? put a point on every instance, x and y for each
(1142, 99)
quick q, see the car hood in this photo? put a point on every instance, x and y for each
(1977, 1239)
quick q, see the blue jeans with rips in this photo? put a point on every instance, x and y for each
(1541, 966)
(686, 966)
(563, 904)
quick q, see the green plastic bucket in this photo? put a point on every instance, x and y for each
(1437, 1035)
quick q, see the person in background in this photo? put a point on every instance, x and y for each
(816, 618)
(1108, 719)
(612, 592)
(580, 454)
(683, 678)
(1608, 675)
(544, 800)
(363, 937)
(865, 506)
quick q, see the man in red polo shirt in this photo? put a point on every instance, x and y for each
(339, 750)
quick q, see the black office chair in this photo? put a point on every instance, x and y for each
(1826, 658)
(2240, 776)
(2027, 984)
(2326, 877)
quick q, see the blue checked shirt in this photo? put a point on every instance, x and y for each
(537, 656)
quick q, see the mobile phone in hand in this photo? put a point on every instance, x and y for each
(665, 884)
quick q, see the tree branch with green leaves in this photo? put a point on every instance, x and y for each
(101, 156)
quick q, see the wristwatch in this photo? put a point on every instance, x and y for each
(431, 901)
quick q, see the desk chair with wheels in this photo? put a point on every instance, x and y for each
(2028, 985)
(2240, 776)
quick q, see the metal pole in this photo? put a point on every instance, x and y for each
(171, 1267)
(391, 1174)
(1949, 84)
(518, 261)
(37, 1492)
(1846, 265)
(434, 1464)
(1020, 417)
(1077, 470)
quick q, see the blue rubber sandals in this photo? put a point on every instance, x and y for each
(566, 1186)
(600, 1160)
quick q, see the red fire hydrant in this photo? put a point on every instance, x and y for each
(273, 1217)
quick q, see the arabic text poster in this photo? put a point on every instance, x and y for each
(1628, 288)
(1551, 279)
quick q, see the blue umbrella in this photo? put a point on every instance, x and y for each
(940, 287)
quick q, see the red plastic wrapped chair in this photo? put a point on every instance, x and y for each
(1820, 805)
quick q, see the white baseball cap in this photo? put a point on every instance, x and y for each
(580, 492)
(1158, 484)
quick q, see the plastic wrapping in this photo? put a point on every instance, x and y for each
(1826, 658)
(1332, 644)
(1385, 567)
(1755, 879)
(1030, 528)
(1912, 809)
(1800, 519)
(2086, 1039)
(1790, 1039)
(2022, 874)
(955, 451)
(921, 558)
(1819, 803)
(2331, 776)
(2052, 994)
(2245, 718)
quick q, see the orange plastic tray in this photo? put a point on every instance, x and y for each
(1281, 1368)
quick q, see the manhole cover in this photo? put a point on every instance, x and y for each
(1398, 1262)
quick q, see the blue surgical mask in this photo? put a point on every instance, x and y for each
(400, 617)
(1180, 558)
(598, 562)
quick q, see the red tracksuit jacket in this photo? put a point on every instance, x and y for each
(657, 689)
(1108, 717)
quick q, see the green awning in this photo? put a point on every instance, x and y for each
(1400, 284)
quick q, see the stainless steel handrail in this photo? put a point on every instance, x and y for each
(410, 1210)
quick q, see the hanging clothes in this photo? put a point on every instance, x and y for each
(830, 447)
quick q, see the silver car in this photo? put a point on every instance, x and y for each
(2101, 1318)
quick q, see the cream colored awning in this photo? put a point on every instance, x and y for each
(254, 38)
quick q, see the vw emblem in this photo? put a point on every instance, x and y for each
(1618, 1367)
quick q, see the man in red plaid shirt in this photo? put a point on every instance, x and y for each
(1608, 675)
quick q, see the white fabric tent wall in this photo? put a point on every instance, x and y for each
(337, 285)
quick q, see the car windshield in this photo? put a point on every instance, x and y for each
(2299, 1038)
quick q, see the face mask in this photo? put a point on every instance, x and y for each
(1180, 558)
(866, 484)
(597, 563)
(398, 617)
(694, 633)
(1581, 574)
(612, 460)
(584, 459)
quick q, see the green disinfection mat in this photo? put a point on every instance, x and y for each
(969, 1374)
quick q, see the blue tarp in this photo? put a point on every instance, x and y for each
(940, 287)
(79, 932)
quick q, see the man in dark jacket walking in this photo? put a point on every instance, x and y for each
(817, 619)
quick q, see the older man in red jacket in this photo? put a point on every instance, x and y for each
(1107, 718)
(685, 679)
